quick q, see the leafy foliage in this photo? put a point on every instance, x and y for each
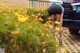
(22, 31)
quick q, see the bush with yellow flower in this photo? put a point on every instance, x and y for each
(22, 31)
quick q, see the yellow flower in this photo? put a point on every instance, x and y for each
(42, 34)
(46, 26)
(47, 35)
(50, 26)
(57, 22)
(36, 19)
(57, 29)
(40, 19)
(21, 18)
(30, 26)
(33, 15)
(57, 45)
(39, 14)
(16, 33)
(17, 14)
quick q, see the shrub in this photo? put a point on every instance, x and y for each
(21, 31)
